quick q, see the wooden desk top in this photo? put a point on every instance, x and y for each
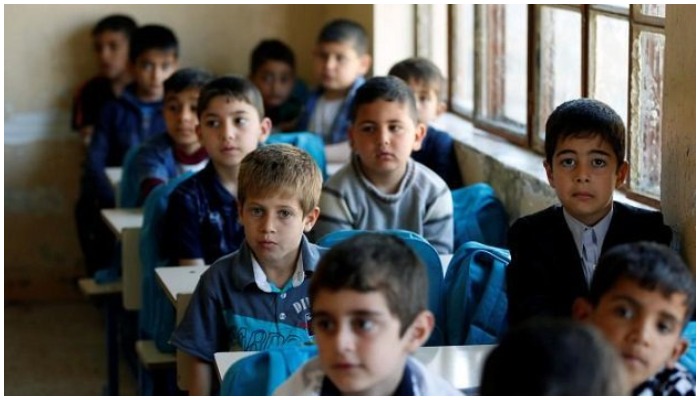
(120, 218)
(114, 174)
(178, 280)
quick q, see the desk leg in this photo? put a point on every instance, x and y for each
(112, 328)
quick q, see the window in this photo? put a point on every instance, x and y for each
(511, 65)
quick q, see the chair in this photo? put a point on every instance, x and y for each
(129, 186)
(688, 358)
(476, 305)
(479, 216)
(307, 141)
(430, 258)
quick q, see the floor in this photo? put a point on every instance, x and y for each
(57, 349)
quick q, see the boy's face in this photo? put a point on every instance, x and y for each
(584, 174)
(274, 224)
(275, 80)
(359, 344)
(112, 51)
(429, 105)
(180, 114)
(384, 135)
(644, 326)
(150, 69)
(230, 129)
(337, 65)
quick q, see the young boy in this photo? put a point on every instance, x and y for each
(550, 357)
(123, 123)
(167, 155)
(437, 150)
(554, 252)
(202, 218)
(110, 38)
(641, 296)
(382, 187)
(256, 298)
(273, 71)
(341, 60)
(369, 305)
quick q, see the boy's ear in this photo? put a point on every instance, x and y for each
(198, 131)
(421, 130)
(441, 108)
(622, 171)
(311, 218)
(265, 129)
(419, 331)
(548, 168)
(581, 309)
(678, 349)
(365, 63)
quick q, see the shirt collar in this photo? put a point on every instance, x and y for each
(405, 387)
(577, 227)
(263, 284)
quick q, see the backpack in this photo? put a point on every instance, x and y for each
(479, 216)
(475, 299)
(307, 141)
(263, 372)
(688, 358)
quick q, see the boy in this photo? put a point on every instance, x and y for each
(202, 217)
(167, 155)
(641, 296)
(273, 71)
(549, 357)
(123, 123)
(256, 298)
(110, 38)
(382, 187)
(368, 301)
(341, 60)
(554, 251)
(437, 150)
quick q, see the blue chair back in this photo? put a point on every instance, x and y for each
(688, 358)
(307, 141)
(129, 186)
(479, 216)
(475, 299)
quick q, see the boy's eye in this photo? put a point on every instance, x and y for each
(240, 121)
(284, 214)
(395, 128)
(212, 123)
(193, 108)
(322, 324)
(567, 162)
(623, 312)
(599, 163)
(172, 107)
(363, 325)
(256, 211)
(367, 128)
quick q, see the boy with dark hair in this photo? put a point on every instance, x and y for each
(202, 217)
(124, 122)
(549, 357)
(178, 150)
(382, 187)
(341, 60)
(257, 297)
(273, 71)
(555, 251)
(110, 38)
(369, 305)
(437, 150)
(641, 296)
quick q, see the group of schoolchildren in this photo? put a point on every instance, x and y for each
(253, 212)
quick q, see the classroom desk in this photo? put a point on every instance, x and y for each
(459, 365)
(114, 174)
(119, 219)
(179, 280)
(126, 224)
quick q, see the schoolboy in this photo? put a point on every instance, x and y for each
(641, 297)
(257, 297)
(341, 60)
(178, 150)
(368, 301)
(124, 122)
(110, 39)
(382, 187)
(202, 216)
(552, 357)
(273, 71)
(554, 252)
(437, 150)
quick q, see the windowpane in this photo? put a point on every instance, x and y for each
(610, 61)
(559, 77)
(646, 106)
(432, 34)
(463, 59)
(654, 10)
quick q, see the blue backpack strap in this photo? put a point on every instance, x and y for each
(488, 321)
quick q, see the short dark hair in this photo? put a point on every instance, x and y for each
(271, 50)
(232, 86)
(585, 117)
(115, 23)
(388, 88)
(150, 37)
(652, 265)
(186, 78)
(421, 70)
(547, 357)
(369, 262)
(345, 31)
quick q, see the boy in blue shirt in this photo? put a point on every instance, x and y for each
(554, 252)
(169, 154)
(341, 60)
(257, 297)
(437, 151)
(641, 297)
(202, 218)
